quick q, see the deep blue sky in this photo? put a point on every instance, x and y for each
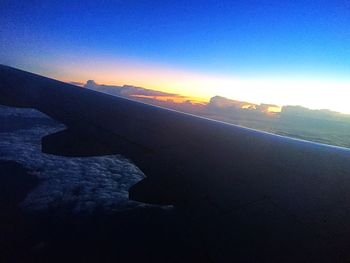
(245, 38)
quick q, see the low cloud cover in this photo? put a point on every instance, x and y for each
(84, 184)
(322, 126)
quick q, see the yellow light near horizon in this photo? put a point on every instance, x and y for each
(314, 93)
(173, 99)
(274, 109)
(249, 106)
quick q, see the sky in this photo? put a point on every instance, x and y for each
(279, 52)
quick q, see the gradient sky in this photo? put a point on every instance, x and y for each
(281, 52)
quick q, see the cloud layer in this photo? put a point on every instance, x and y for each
(82, 183)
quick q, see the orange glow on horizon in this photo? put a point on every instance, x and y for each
(313, 92)
(174, 99)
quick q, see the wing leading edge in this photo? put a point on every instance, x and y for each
(251, 196)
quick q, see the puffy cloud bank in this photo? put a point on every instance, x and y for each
(127, 90)
(82, 183)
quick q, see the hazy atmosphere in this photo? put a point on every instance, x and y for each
(323, 126)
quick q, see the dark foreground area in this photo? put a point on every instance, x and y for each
(142, 234)
(244, 195)
(62, 233)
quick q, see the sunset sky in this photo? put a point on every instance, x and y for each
(279, 52)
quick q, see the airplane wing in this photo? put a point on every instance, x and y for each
(248, 196)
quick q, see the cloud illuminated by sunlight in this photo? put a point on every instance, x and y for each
(314, 92)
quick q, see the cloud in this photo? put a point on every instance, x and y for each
(225, 105)
(83, 183)
(128, 90)
(222, 102)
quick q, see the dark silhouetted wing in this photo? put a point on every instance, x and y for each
(249, 196)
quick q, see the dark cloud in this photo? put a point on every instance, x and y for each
(127, 90)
